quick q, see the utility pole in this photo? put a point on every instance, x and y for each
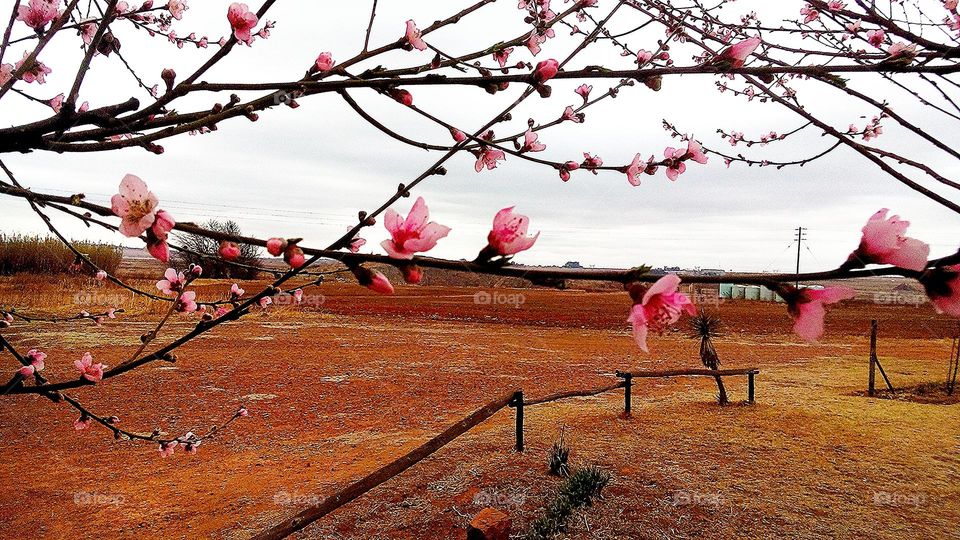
(801, 236)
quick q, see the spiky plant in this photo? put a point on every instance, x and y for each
(706, 327)
(559, 457)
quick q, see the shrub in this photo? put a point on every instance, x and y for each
(576, 491)
(49, 255)
(209, 253)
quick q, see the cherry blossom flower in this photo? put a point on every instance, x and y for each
(414, 38)
(136, 205)
(533, 43)
(88, 370)
(243, 412)
(166, 449)
(82, 423)
(660, 306)
(644, 56)
(157, 236)
(236, 291)
(634, 169)
(810, 14)
(943, 288)
(187, 303)
(572, 116)
(458, 135)
(530, 143)
(584, 91)
(502, 56)
(177, 7)
(6, 71)
(36, 363)
(546, 70)
(591, 162)
(900, 50)
(56, 103)
(806, 307)
(101, 275)
(738, 53)
(509, 234)
(675, 165)
(265, 301)
(876, 37)
(229, 250)
(325, 61)
(566, 168)
(883, 242)
(413, 234)
(37, 13)
(488, 157)
(242, 20)
(379, 283)
(276, 246)
(298, 296)
(835, 5)
(36, 72)
(293, 256)
(172, 283)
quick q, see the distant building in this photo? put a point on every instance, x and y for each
(572, 264)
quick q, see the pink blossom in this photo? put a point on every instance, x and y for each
(902, 50)
(413, 36)
(458, 135)
(166, 449)
(243, 412)
(413, 234)
(883, 242)
(6, 71)
(566, 168)
(591, 162)
(276, 246)
(157, 236)
(356, 243)
(635, 169)
(546, 70)
(584, 91)
(943, 287)
(950, 4)
(221, 311)
(298, 295)
(644, 56)
(695, 152)
(37, 13)
(177, 7)
(488, 157)
(533, 43)
(509, 233)
(56, 103)
(835, 5)
(293, 256)
(401, 96)
(82, 423)
(325, 61)
(236, 291)
(265, 301)
(34, 72)
(136, 205)
(229, 250)
(101, 275)
(242, 20)
(530, 143)
(810, 14)
(172, 283)
(502, 55)
(806, 306)
(112, 313)
(660, 307)
(876, 37)
(36, 363)
(88, 370)
(379, 283)
(187, 303)
(572, 116)
(738, 53)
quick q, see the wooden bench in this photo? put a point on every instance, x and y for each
(628, 376)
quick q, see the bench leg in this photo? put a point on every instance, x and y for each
(750, 388)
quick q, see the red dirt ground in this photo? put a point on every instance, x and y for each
(337, 390)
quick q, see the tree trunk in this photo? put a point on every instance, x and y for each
(722, 390)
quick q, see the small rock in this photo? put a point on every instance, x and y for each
(489, 524)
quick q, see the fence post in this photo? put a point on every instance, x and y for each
(750, 387)
(628, 384)
(871, 386)
(518, 403)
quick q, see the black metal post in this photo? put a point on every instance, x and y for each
(750, 387)
(518, 403)
(628, 383)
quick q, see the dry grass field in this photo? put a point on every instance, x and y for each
(342, 386)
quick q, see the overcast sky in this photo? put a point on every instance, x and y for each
(306, 172)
